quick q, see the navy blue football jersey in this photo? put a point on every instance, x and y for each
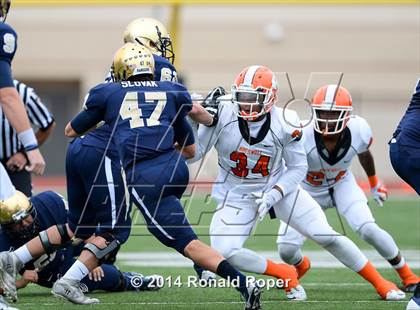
(8, 45)
(50, 210)
(100, 137)
(408, 129)
(142, 115)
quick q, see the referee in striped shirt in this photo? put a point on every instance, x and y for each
(12, 154)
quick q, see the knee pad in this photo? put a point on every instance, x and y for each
(48, 246)
(106, 254)
(290, 253)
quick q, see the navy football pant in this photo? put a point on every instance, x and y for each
(96, 193)
(155, 186)
(406, 162)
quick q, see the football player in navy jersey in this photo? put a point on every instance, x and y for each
(22, 219)
(404, 147)
(144, 115)
(12, 104)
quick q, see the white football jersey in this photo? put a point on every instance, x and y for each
(325, 169)
(251, 155)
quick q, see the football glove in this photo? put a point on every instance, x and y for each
(211, 104)
(265, 201)
(380, 193)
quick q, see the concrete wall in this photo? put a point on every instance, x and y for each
(377, 48)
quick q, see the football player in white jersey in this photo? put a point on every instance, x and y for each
(331, 141)
(261, 155)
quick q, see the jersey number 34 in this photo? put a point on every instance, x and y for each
(130, 109)
(241, 169)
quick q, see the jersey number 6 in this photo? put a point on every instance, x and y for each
(130, 109)
(241, 170)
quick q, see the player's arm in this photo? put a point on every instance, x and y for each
(184, 137)
(91, 115)
(378, 190)
(294, 156)
(15, 113)
(42, 135)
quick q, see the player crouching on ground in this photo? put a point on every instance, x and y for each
(331, 141)
(22, 219)
(259, 152)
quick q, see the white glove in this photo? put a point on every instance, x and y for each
(266, 200)
(380, 193)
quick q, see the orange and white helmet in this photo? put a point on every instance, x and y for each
(254, 91)
(335, 99)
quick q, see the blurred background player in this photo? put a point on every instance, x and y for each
(12, 105)
(404, 147)
(331, 141)
(140, 109)
(12, 153)
(252, 141)
(22, 219)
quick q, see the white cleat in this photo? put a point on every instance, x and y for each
(9, 267)
(70, 290)
(413, 305)
(395, 295)
(297, 294)
(4, 305)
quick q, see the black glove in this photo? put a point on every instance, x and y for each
(211, 104)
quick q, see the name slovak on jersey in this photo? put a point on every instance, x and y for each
(324, 171)
(250, 159)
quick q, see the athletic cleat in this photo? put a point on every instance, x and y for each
(5, 306)
(395, 295)
(138, 282)
(70, 291)
(303, 267)
(252, 298)
(9, 267)
(296, 293)
(413, 304)
(409, 288)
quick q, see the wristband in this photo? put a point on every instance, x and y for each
(28, 139)
(373, 181)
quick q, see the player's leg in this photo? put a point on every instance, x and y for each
(289, 244)
(405, 161)
(155, 187)
(107, 198)
(109, 278)
(231, 225)
(354, 208)
(302, 212)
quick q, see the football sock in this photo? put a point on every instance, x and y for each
(247, 260)
(284, 272)
(407, 275)
(370, 274)
(198, 270)
(226, 271)
(303, 266)
(23, 254)
(77, 271)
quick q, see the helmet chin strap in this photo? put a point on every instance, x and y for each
(252, 116)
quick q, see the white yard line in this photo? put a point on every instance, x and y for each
(319, 259)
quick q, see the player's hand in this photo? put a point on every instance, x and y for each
(211, 104)
(265, 201)
(30, 276)
(380, 193)
(36, 162)
(96, 274)
(17, 162)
